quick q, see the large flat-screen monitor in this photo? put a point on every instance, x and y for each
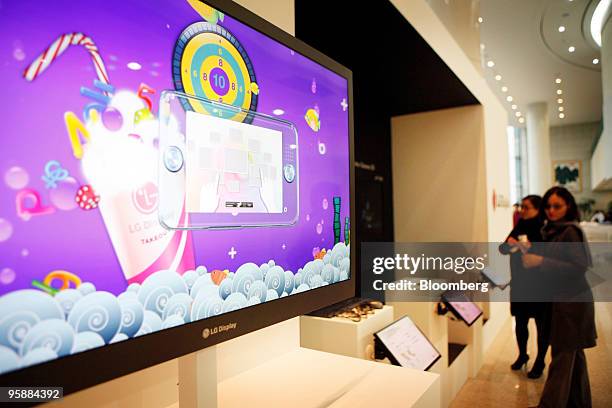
(92, 285)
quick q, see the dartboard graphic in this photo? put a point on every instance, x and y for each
(210, 62)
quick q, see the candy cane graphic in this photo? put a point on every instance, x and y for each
(42, 62)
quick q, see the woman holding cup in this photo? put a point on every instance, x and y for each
(563, 261)
(526, 230)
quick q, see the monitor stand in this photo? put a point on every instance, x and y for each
(201, 373)
(197, 379)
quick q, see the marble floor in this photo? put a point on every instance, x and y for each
(498, 386)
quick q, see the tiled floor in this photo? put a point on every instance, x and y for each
(498, 386)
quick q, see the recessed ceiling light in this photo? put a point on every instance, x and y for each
(490, 64)
(482, 46)
(518, 114)
(480, 20)
(514, 107)
(571, 48)
(559, 92)
(504, 89)
(509, 98)
(561, 29)
(561, 115)
(521, 120)
(595, 61)
(498, 77)
(561, 108)
(558, 80)
(559, 100)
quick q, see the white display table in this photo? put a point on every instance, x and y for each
(266, 368)
(343, 336)
(310, 378)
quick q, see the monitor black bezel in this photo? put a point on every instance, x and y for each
(119, 359)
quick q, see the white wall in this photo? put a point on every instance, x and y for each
(439, 187)
(281, 13)
(461, 19)
(602, 159)
(424, 19)
(443, 39)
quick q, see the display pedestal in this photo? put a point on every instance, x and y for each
(342, 336)
(266, 368)
(197, 379)
(460, 333)
(309, 378)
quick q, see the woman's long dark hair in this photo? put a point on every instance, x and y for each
(536, 201)
(572, 213)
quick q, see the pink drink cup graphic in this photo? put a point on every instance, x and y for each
(121, 170)
(141, 244)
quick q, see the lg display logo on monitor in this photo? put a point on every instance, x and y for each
(206, 333)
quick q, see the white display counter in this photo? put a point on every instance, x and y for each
(310, 378)
(266, 368)
(343, 336)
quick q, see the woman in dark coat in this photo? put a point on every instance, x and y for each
(563, 261)
(529, 225)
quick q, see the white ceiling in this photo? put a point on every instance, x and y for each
(523, 40)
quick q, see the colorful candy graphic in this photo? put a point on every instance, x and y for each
(25, 211)
(143, 114)
(143, 90)
(45, 288)
(64, 276)
(347, 231)
(101, 100)
(53, 173)
(337, 222)
(87, 198)
(312, 119)
(75, 127)
(58, 47)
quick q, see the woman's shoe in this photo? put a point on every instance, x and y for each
(536, 371)
(520, 362)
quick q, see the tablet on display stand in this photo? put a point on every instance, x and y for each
(461, 306)
(404, 344)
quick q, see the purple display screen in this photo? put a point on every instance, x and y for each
(84, 261)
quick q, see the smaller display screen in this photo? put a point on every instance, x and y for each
(462, 307)
(408, 345)
(232, 167)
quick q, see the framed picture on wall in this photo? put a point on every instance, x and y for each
(568, 174)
